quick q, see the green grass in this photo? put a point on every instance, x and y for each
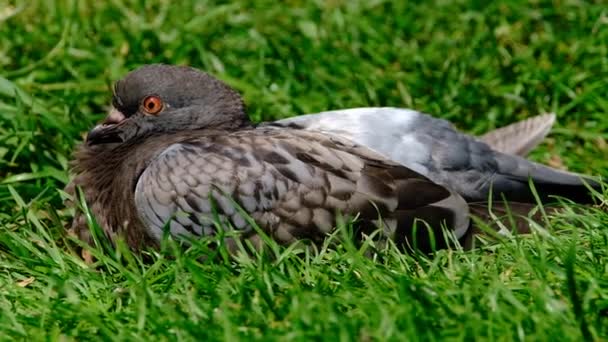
(479, 65)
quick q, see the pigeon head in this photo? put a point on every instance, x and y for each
(157, 99)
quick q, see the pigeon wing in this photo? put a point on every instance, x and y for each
(293, 183)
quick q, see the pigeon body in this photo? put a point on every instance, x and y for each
(178, 146)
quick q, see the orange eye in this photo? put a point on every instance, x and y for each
(152, 105)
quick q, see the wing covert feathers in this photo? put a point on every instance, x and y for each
(293, 183)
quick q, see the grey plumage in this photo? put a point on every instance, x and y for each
(395, 125)
(435, 149)
(194, 150)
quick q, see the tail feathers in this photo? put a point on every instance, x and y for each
(521, 137)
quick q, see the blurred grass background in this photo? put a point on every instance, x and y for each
(479, 64)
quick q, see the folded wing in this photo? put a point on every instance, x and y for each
(293, 183)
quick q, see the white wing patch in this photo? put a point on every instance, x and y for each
(392, 132)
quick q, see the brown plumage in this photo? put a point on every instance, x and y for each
(107, 176)
(292, 183)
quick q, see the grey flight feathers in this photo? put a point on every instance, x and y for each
(178, 145)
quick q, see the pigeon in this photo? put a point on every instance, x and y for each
(177, 153)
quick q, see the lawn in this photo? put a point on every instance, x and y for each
(479, 64)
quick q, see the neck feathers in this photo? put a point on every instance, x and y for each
(108, 175)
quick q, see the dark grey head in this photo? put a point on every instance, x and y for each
(156, 99)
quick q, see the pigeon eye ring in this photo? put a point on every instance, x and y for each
(152, 105)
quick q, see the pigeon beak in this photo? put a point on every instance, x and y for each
(106, 131)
